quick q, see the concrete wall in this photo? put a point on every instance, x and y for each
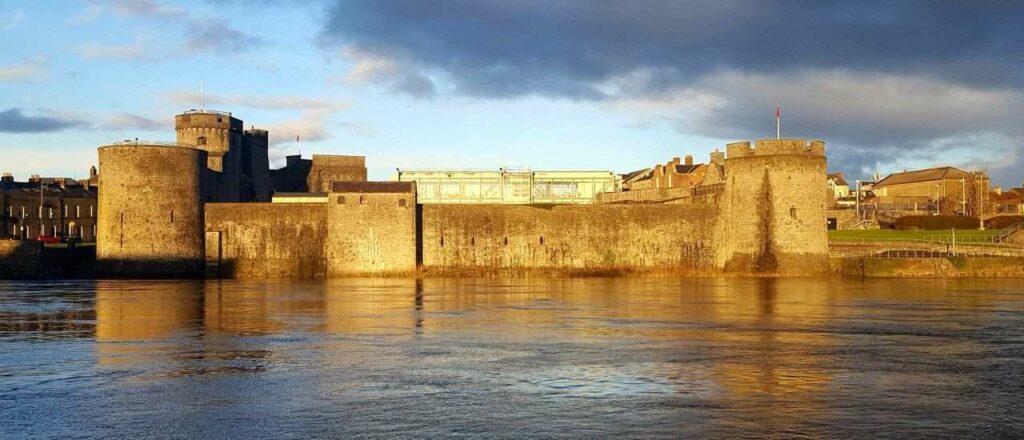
(575, 239)
(373, 231)
(773, 209)
(266, 240)
(150, 220)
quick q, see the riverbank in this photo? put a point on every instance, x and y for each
(940, 267)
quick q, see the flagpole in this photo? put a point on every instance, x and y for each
(778, 122)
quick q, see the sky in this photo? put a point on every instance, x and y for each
(541, 84)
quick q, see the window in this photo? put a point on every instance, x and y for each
(542, 240)
(341, 200)
(51, 212)
(201, 140)
(401, 203)
(23, 215)
(78, 211)
(65, 210)
(362, 200)
(92, 211)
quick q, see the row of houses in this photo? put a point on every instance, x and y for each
(48, 206)
(941, 190)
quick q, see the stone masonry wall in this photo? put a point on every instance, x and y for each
(584, 239)
(773, 217)
(265, 240)
(20, 259)
(371, 233)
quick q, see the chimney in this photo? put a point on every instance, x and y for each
(7, 177)
(689, 160)
(92, 171)
(717, 157)
(675, 160)
(293, 160)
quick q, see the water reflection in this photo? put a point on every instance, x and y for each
(720, 357)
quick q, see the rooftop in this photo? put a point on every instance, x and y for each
(925, 175)
(373, 187)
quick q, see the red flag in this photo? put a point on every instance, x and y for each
(778, 111)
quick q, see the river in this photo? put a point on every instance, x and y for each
(513, 358)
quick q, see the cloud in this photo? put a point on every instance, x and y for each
(391, 73)
(125, 121)
(13, 120)
(872, 121)
(95, 9)
(885, 83)
(94, 51)
(496, 48)
(200, 33)
(206, 34)
(260, 101)
(145, 8)
(26, 71)
(10, 20)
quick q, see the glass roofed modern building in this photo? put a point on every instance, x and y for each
(507, 186)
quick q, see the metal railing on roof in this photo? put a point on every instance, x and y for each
(207, 112)
(154, 143)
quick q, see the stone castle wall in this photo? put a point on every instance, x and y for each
(567, 238)
(371, 229)
(266, 240)
(220, 135)
(327, 169)
(773, 211)
(150, 210)
(768, 216)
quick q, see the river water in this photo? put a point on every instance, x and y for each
(628, 358)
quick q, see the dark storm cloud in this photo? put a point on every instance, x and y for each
(884, 82)
(563, 48)
(13, 120)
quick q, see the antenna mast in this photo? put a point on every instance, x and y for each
(202, 103)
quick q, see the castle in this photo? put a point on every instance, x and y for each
(200, 207)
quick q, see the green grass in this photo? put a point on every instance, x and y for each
(895, 234)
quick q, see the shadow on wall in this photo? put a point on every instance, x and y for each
(31, 260)
(149, 268)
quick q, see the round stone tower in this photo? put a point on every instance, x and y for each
(773, 208)
(150, 219)
(220, 135)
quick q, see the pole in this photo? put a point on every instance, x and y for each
(857, 198)
(963, 196)
(778, 122)
(202, 100)
(40, 205)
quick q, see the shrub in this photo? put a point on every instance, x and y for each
(1003, 221)
(936, 222)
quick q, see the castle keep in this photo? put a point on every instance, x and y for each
(175, 210)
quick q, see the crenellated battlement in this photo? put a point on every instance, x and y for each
(768, 147)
